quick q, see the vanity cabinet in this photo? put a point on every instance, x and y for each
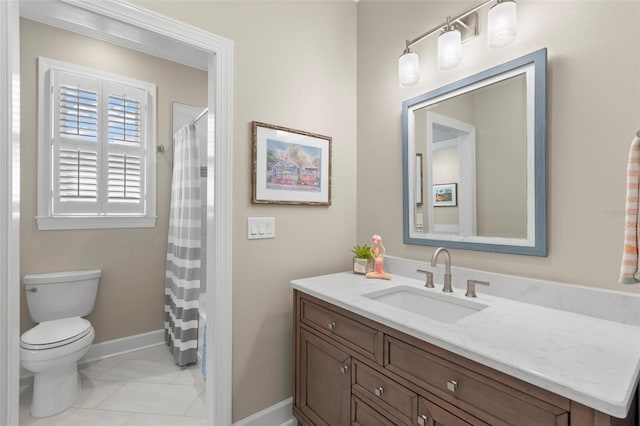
(325, 381)
(349, 370)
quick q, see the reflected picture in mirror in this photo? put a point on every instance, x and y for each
(482, 139)
(445, 195)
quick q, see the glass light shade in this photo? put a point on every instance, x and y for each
(449, 50)
(501, 25)
(408, 69)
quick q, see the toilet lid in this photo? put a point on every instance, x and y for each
(51, 334)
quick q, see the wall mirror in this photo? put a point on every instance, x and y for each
(474, 161)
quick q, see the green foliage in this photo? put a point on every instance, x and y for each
(361, 252)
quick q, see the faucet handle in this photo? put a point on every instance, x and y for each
(471, 287)
(429, 282)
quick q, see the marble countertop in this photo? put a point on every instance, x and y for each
(592, 361)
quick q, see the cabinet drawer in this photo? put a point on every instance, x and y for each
(433, 411)
(481, 396)
(363, 415)
(347, 331)
(388, 394)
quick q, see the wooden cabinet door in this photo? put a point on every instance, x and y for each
(324, 382)
(431, 414)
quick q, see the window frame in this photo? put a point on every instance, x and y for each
(46, 219)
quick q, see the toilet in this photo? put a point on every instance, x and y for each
(51, 350)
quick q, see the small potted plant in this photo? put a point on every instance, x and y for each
(362, 259)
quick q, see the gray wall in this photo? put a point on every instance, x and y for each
(593, 109)
(294, 66)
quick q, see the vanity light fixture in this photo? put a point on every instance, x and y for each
(408, 68)
(501, 24)
(501, 32)
(449, 47)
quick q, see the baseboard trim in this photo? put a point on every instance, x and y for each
(277, 414)
(123, 345)
(115, 347)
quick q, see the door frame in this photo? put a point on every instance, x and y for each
(219, 213)
(466, 144)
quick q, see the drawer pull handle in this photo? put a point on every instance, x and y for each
(344, 369)
(378, 391)
(452, 385)
(422, 420)
(332, 325)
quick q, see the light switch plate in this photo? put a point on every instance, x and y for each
(261, 227)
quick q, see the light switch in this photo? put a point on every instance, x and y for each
(261, 227)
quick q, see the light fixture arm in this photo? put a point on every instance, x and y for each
(439, 28)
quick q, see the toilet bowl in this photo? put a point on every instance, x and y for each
(52, 349)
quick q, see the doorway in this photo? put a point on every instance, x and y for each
(108, 21)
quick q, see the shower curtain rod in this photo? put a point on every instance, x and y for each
(206, 110)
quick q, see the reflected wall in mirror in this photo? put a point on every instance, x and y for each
(486, 135)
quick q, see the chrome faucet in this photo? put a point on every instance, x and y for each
(447, 267)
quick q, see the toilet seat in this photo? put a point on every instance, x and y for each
(56, 333)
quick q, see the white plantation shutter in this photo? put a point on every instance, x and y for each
(75, 144)
(125, 108)
(96, 149)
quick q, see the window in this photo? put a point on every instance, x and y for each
(96, 158)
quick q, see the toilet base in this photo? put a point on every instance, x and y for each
(54, 391)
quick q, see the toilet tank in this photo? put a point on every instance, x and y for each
(59, 295)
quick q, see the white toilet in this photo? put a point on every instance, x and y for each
(51, 349)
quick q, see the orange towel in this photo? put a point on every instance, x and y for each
(630, 271)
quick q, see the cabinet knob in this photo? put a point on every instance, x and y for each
(344, 369)
(452, 385)
(378, 391)
(422, 420)
(332, 325)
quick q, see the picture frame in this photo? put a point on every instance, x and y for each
(419, 177)
(290, 166)
(445, 195)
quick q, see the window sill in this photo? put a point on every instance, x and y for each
(94, 222)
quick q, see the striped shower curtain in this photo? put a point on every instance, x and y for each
(182, 287)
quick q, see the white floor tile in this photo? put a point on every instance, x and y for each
(157, 420)
(76, 417)
(94, 391)
(151, 398)
(96, 368)
(142, 388)
(89, 417)
(59, 419)
(137, 370)
(198, 408)
(190, 376)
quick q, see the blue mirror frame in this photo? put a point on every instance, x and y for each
(539, 61)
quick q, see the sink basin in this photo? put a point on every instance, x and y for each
(437, 306)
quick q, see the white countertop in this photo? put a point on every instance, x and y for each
(592, 361)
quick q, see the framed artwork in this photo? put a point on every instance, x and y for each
(445, 195)
(419, 178)
(290, 166)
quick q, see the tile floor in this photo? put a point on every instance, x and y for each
(142, 388)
